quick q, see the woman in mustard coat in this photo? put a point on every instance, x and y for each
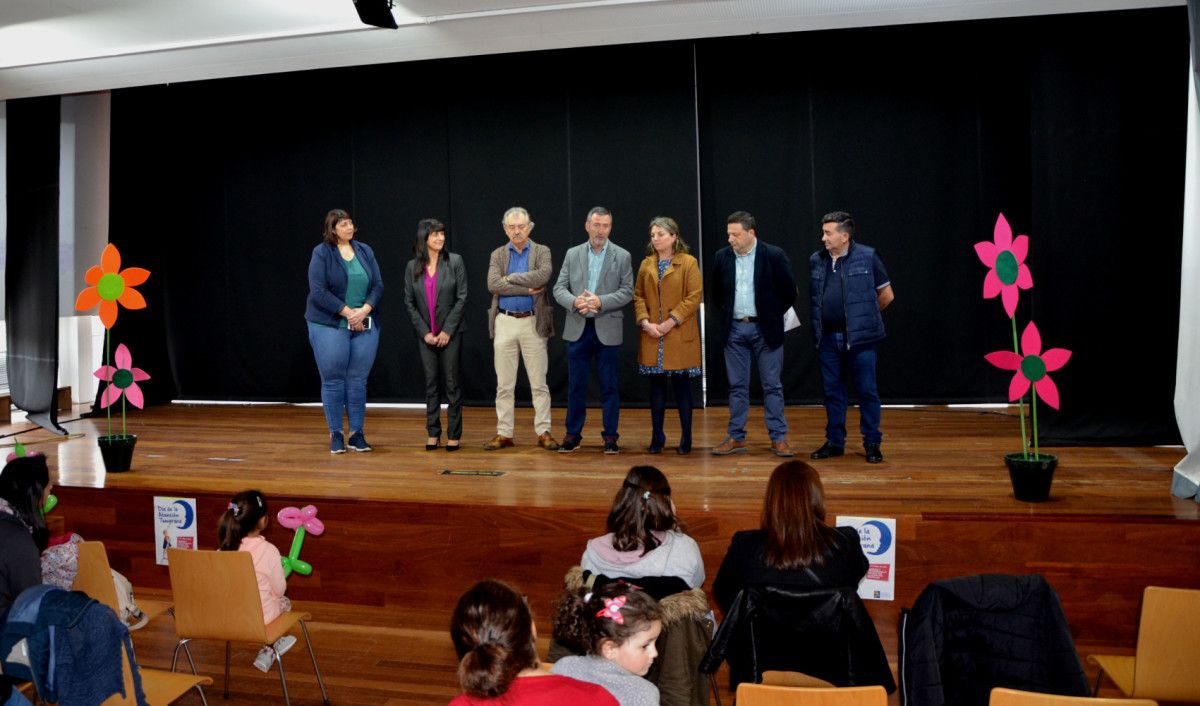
(666, 302)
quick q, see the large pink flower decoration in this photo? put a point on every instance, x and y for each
(1005, 256)
(122, 379)
(1032, 367)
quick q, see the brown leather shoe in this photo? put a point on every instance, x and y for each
(547, 442)
(782, 448)
(499, 442)
(729, 446)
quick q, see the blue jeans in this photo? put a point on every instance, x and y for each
(344, 359)
(744, 343)
(579, 363)
(838, 367)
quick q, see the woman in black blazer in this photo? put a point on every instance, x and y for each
(435, 294)
(794, 548)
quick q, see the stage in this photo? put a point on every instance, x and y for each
(409, 530)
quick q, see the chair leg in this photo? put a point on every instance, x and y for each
(228, 651)
(175, 654)
(1096, 688)
(283, 681)
(313, 656)
(202, 699)
(712, 682)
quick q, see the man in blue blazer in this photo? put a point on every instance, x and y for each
(753, 286)
(594, 285)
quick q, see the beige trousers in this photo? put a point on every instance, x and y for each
(515, 339)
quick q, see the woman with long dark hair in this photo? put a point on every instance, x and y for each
(344, 289)
(435, 294)
(794, 547)
(496, 641)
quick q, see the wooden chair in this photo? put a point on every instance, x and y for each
(766, 695)
(1014, 697)
(216, 598)
(95, 579)
(773, 677)
(161, 687)
(1164, 666)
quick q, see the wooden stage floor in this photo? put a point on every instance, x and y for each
(404, 539)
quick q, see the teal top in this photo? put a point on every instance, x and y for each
(356, 287)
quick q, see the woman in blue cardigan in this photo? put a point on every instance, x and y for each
(344, 289)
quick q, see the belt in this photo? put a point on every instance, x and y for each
(516, 314)
(747, 319)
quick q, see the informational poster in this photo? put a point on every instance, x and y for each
(174, 525)
(878, 538)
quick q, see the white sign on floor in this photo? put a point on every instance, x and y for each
(174, 525)
(878, 538)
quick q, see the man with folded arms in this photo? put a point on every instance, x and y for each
(520, 323)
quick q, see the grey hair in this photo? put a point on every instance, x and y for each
(516, 211)
(598, 211)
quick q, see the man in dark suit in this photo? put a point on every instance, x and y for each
(753, 287)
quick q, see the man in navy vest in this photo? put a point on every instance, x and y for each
(849, 288)
(752, 286)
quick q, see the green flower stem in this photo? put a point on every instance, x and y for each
(1021, 402)
(123, 416)
(108, 362)
(1033, 404)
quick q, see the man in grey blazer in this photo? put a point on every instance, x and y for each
(594, 285)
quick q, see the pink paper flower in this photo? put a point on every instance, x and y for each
(122, 379)
(1032, 366)
(1005, 256)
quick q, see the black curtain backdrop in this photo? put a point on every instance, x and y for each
(924, 132)
(31, 267)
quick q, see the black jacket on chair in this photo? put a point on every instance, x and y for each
(966, 635)
(825, 633)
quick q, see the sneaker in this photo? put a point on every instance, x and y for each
(264, 660)
(283, 644)
(610, 447)
(499, 442)
(337, 444)
(729, 446)
(570, 443)
(547, 442)
(358, 442)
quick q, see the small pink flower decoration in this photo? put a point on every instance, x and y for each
(122, 379)
(292, 518)
(612, 610)
(1032, 366)
(1005, 256)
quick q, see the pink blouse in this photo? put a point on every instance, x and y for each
(268, 569)
(431, 299)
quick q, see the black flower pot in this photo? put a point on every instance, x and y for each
(1031, 477)
(117, 451)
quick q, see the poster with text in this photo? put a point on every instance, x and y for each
(878, 538)
(174, 525)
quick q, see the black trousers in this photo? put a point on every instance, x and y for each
(442, 366)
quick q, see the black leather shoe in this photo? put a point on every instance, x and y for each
(657, 442)
(685, 446)
(874, 455)
(827, 450)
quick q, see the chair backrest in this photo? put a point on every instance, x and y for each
(1167, 667)
(1014, 697)
(95, 576)
(130, 698)
(763, 695)
(216, 596)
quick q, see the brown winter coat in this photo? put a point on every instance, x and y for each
(679, 295)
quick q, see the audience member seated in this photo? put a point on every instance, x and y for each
(645, 538)
(617, 626)
(494, 636)
(24, 487)
(796, 581)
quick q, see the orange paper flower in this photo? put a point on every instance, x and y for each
(109, 284)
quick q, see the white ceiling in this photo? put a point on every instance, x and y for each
(52, 47)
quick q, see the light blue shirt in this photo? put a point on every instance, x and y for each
(743, 287)
(517, 262)
(595, 264)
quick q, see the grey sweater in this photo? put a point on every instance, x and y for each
(629, 689)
